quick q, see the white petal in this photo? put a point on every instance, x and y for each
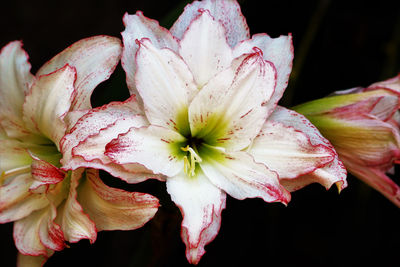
(288, 151)
(94, 121)
(85, 145)
(137, 27)
(330, 174)
(241, 177)
(48, 101)
(16, 201)
(166, 86)
(226, 12)
(75, 224)
(37, 232)
(94, 146)
(15, 80)
(205, 49)
(201, 204)
(229, 111)
(114, 209)
(94, 59)
(277, 50)
(154, 147)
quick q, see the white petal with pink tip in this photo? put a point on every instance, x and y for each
(201, 204)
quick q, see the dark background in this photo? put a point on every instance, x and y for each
(338, 45)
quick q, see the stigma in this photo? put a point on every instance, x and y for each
(190, 162)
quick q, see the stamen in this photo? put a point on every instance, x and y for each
(190, 165)
(4, 175)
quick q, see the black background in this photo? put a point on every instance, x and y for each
(338, 45)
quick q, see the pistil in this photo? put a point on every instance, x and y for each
(4, 175)
(190, 164)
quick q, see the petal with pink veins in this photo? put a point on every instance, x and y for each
(204, 58)
(201, 204)
(84, 145)
(93, 148)
(235, 110)
(377, 179)
(392, 84)
(75, 224)
(226, 12)
(114, 209)
(16, 201)
(95, 120)
(48, 100)
(137, 27)
(279, 51)
(154, 147)
(15, 80)
(166, 86)
(94, 59)
(332, 173)
(241, 177)
(288, 151)
(37, 232)
(44, 173)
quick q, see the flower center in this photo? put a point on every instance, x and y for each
(192, 156)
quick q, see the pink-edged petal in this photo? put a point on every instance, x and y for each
(72, 117)
(229, 111)
(84, 146)
(114, 209)
(16, 201)
(153, 147)
(92, 150)
(201, 204)
(137, 27)
(376, 178)
(75, 224)
(392, 84)
(288, 151)
(44, 173)
(48, 101)
(205, 49)
(279, 51)
(241, 177)
(95, 120)
(93, 147)
(355, 105)
(165, 84)
(37, 232)
(32, 261)
(226, 12)
(332, 173)
(94, 59)
(15, 80)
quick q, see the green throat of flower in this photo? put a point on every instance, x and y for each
(200, 143)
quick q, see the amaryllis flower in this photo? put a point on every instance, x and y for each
(363, 125)
(203, 116)
(50, 206)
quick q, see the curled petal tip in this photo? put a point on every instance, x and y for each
(339, 187)
(258, 51)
